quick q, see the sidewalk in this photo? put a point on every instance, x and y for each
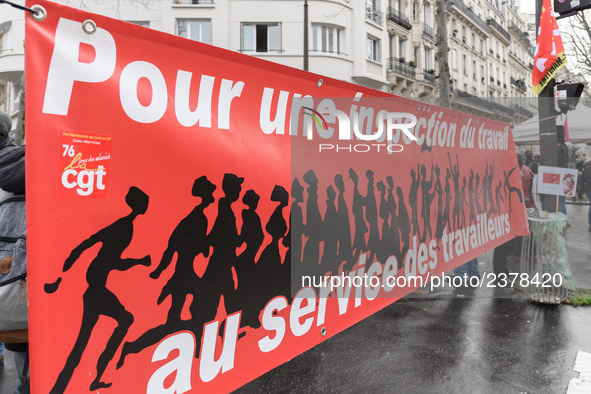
(489, 341)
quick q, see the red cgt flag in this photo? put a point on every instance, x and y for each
(549, 56)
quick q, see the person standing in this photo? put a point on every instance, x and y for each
(468, 270)
(586, 178)
(527, 176)
(562, 161)
(12, 181)
(513, 246)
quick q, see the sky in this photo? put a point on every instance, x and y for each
(528, 6)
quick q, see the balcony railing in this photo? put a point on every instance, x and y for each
(399, 18)
(503, 109)
(473, 100)
(191, 2)
(495, 25)
(401, 67)
(519, 84)
(428, 32)
(523, 111)
(429, 76)
(467, 11)
(522, 36)
(374, 15)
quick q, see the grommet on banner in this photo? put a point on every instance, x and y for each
(39, 13)
(89, 26)
(323, 331)
(320, 82)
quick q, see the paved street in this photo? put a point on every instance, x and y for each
(450, 341)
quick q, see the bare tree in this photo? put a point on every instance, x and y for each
(442, 53)
(115, 5)
(577, 34)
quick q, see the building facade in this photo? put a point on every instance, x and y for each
(12, 59)
(388, 45)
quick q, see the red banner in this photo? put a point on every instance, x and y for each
(185, 201)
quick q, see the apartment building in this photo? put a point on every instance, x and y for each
(384, 45)
(491, 59)
(12, 59)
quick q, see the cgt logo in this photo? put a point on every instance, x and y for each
(84, 181)
(77, 175)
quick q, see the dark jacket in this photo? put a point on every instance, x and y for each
(586, 178)
(12, 169)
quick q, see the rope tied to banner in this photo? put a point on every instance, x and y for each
(37, 12)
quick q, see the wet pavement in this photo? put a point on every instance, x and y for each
(449, 345)
(453, 341)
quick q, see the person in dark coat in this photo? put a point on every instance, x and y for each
(12, 181)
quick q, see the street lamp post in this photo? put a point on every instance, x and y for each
(305, 35)
(546, 115)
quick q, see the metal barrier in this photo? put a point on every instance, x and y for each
(548, 278)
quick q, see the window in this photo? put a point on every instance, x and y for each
(141, 23)
(327, 39)
(5, 37)
(428, 57)
(427, 14)
(465, 65)
(261, 37)
(4, 96)
(195, 29)
(454, 59)
(373, 48)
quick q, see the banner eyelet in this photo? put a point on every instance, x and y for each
(39, 13)
(89, 26)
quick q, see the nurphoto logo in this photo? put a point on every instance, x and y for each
(362, 130)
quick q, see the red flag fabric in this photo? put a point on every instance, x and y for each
(549, 56)
(566, 132)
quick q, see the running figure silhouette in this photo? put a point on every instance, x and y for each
(98, 300)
